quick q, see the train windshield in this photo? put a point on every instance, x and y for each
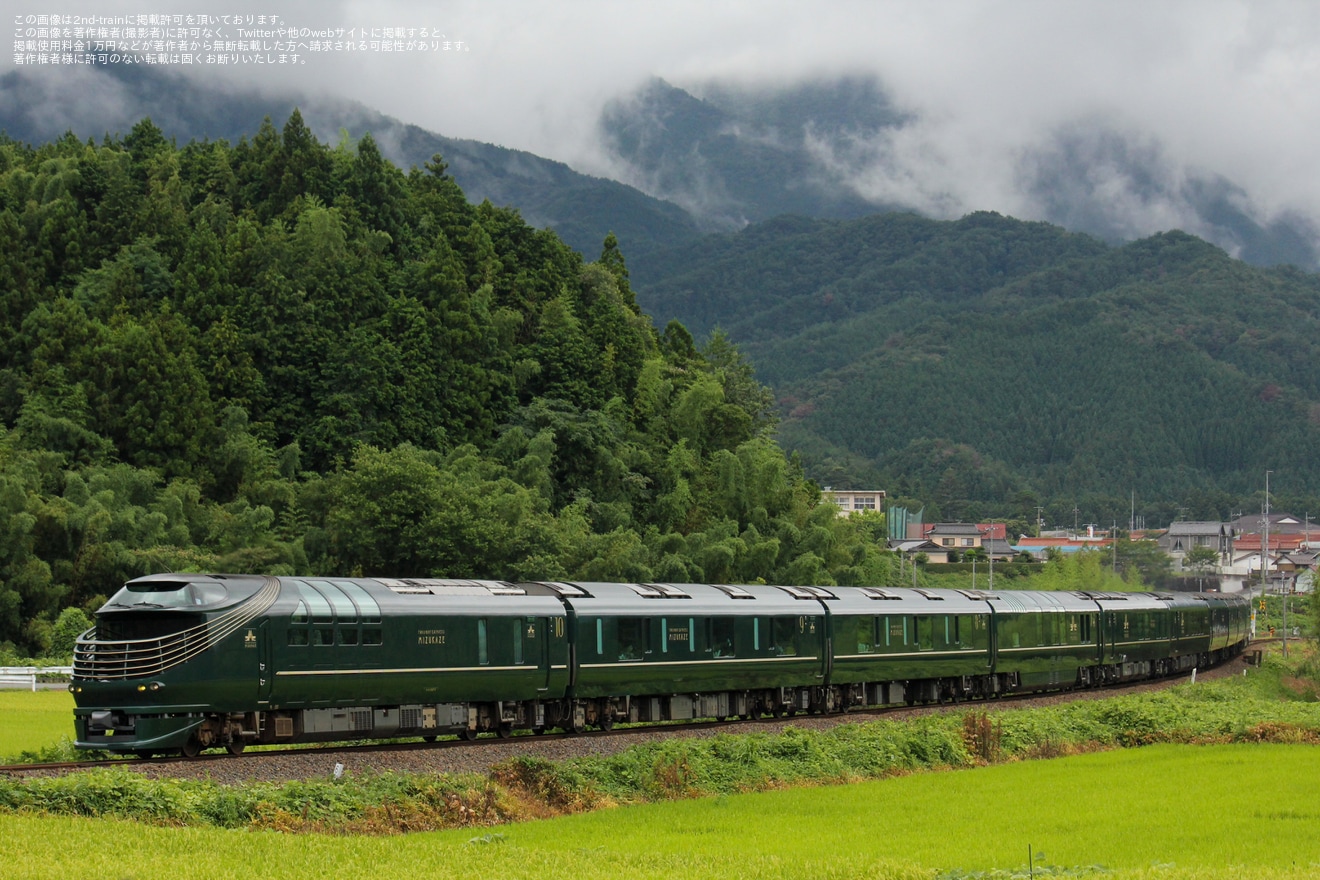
(167, 594)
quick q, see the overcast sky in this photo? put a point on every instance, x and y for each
(1218, 87)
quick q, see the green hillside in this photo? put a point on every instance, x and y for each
(982, 364)
(277, 356)
(581, 209)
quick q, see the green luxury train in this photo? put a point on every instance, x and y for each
(186, 662)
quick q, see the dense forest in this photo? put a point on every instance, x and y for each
(287, 357)
(985, 366)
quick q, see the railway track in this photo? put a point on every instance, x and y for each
(460, 755)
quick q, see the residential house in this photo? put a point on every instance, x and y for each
(910, 548)
(1181, 537)
(1280, 524)
(1247, 562)
(956, 536)
(850, 501)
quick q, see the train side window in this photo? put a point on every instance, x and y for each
(975, 632)
(756, 633)
(298, 637)
(721, 637)
(865, 635)
(483, 655)
(782, 641)
(631, 638)
(348, 636)
(664, 635)
(925, 628)
(371, 635)
(517, 643)
(1012, 627)
(600, 637)
(692, 634)
(322, 636)
(300, 613)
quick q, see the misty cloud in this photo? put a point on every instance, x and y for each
(1183, 103)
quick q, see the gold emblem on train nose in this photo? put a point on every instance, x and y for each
(250, 640)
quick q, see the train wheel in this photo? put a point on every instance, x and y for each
(144, 754)
(606, 721)
(538, 731)
(236, 747)
(192, 748)
(505, 731)
(430, 737)
(468, 734)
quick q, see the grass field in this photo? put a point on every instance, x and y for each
(1157, 812)
(33, 720)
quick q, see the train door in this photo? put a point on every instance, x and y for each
(539, 638)
(265, 674)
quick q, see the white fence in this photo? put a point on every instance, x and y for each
(27, 675)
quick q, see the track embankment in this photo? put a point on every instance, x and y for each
(478, 757)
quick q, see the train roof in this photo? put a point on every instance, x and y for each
(1183, 600)
(656, 599)
(904, 600)
(402, 596)
(1042, 600)
(1131, 601)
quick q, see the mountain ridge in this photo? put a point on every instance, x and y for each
(1057, 363)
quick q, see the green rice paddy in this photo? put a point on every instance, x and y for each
(30, 721)
(1154, 812)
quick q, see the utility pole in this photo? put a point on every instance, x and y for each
(991, 555)
(1265, 559)
(1285, 619)
(1038, 520)
(1113, 545)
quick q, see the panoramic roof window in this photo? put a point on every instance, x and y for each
(168, 594)
(320, 608)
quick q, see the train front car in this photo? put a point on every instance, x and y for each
(169, 654)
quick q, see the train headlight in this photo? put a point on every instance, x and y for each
(142, 687)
